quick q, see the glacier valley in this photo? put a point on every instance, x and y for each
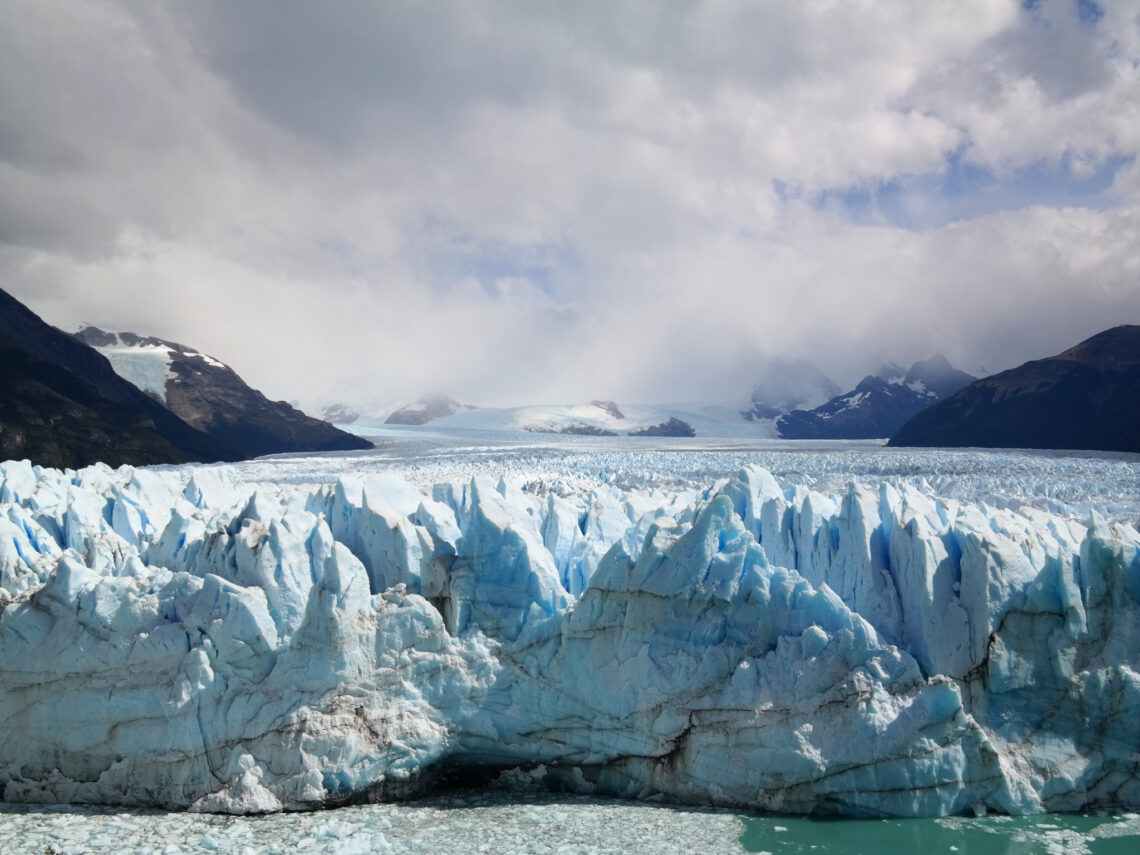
(836, 629)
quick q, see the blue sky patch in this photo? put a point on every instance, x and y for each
(968, 190)
(1087, 10)
(448, 254)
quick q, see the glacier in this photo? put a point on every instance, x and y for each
(234, 639)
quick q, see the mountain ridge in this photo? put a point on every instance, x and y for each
(210, 396)
(64, 404)
(878, 405)
(1086, 397)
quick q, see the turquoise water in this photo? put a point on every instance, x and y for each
(544, 824)
(994, 835)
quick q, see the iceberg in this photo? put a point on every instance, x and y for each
(183, 638)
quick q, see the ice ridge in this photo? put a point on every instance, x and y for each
(174, 637)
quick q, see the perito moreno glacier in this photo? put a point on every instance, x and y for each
(181, 637)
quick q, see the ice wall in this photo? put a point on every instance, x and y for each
(173, 637)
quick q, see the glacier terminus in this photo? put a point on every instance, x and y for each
(731, 633)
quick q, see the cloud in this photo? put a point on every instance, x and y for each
(523, 202)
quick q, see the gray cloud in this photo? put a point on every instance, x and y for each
(547, 201)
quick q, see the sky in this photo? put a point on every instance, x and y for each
(532, 202)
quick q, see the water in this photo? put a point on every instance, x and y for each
(993, 835)
(480, 822)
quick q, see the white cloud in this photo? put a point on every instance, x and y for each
(518, 202)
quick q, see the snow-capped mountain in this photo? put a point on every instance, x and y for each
(62, 404)
(426, 409)
(592, 418)
(1087, 397)
(339, 414)
(788, 385)
(879, 405)
(210, 396)
(147, 362)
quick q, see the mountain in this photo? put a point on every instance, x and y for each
(426, 409)
(878, 405)
(339, 414)
(63, 405)
(673, 426)
(593, 418)
(54, 417)
(1087, 397)
(788, 385)
(596, 418)
(210, 396)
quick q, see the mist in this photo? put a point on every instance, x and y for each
(525, 204)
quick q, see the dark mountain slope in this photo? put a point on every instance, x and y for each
(54, 417)
(50, 379)
(879, 405)
(211, 397)
(1085, 398)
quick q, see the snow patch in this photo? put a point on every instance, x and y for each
(147, 366)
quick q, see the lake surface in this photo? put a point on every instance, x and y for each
(479, 822)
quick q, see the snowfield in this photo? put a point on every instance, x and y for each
(804, 628)
(146, 366)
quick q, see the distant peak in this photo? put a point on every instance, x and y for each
(937, 362)
(936, 376)
(95, 337)
(873, 381)
(438, 399)
(890, 371)
(935, 368)
(610, 407)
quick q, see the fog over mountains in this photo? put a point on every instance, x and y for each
(127, 398)
(561, 203)
(879, 405)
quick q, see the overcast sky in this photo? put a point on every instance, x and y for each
(554, 201)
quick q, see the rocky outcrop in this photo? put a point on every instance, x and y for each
(672, 426)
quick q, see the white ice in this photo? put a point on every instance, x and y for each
(655, 622)
(146, 366)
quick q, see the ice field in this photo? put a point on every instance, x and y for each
(837, 628)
